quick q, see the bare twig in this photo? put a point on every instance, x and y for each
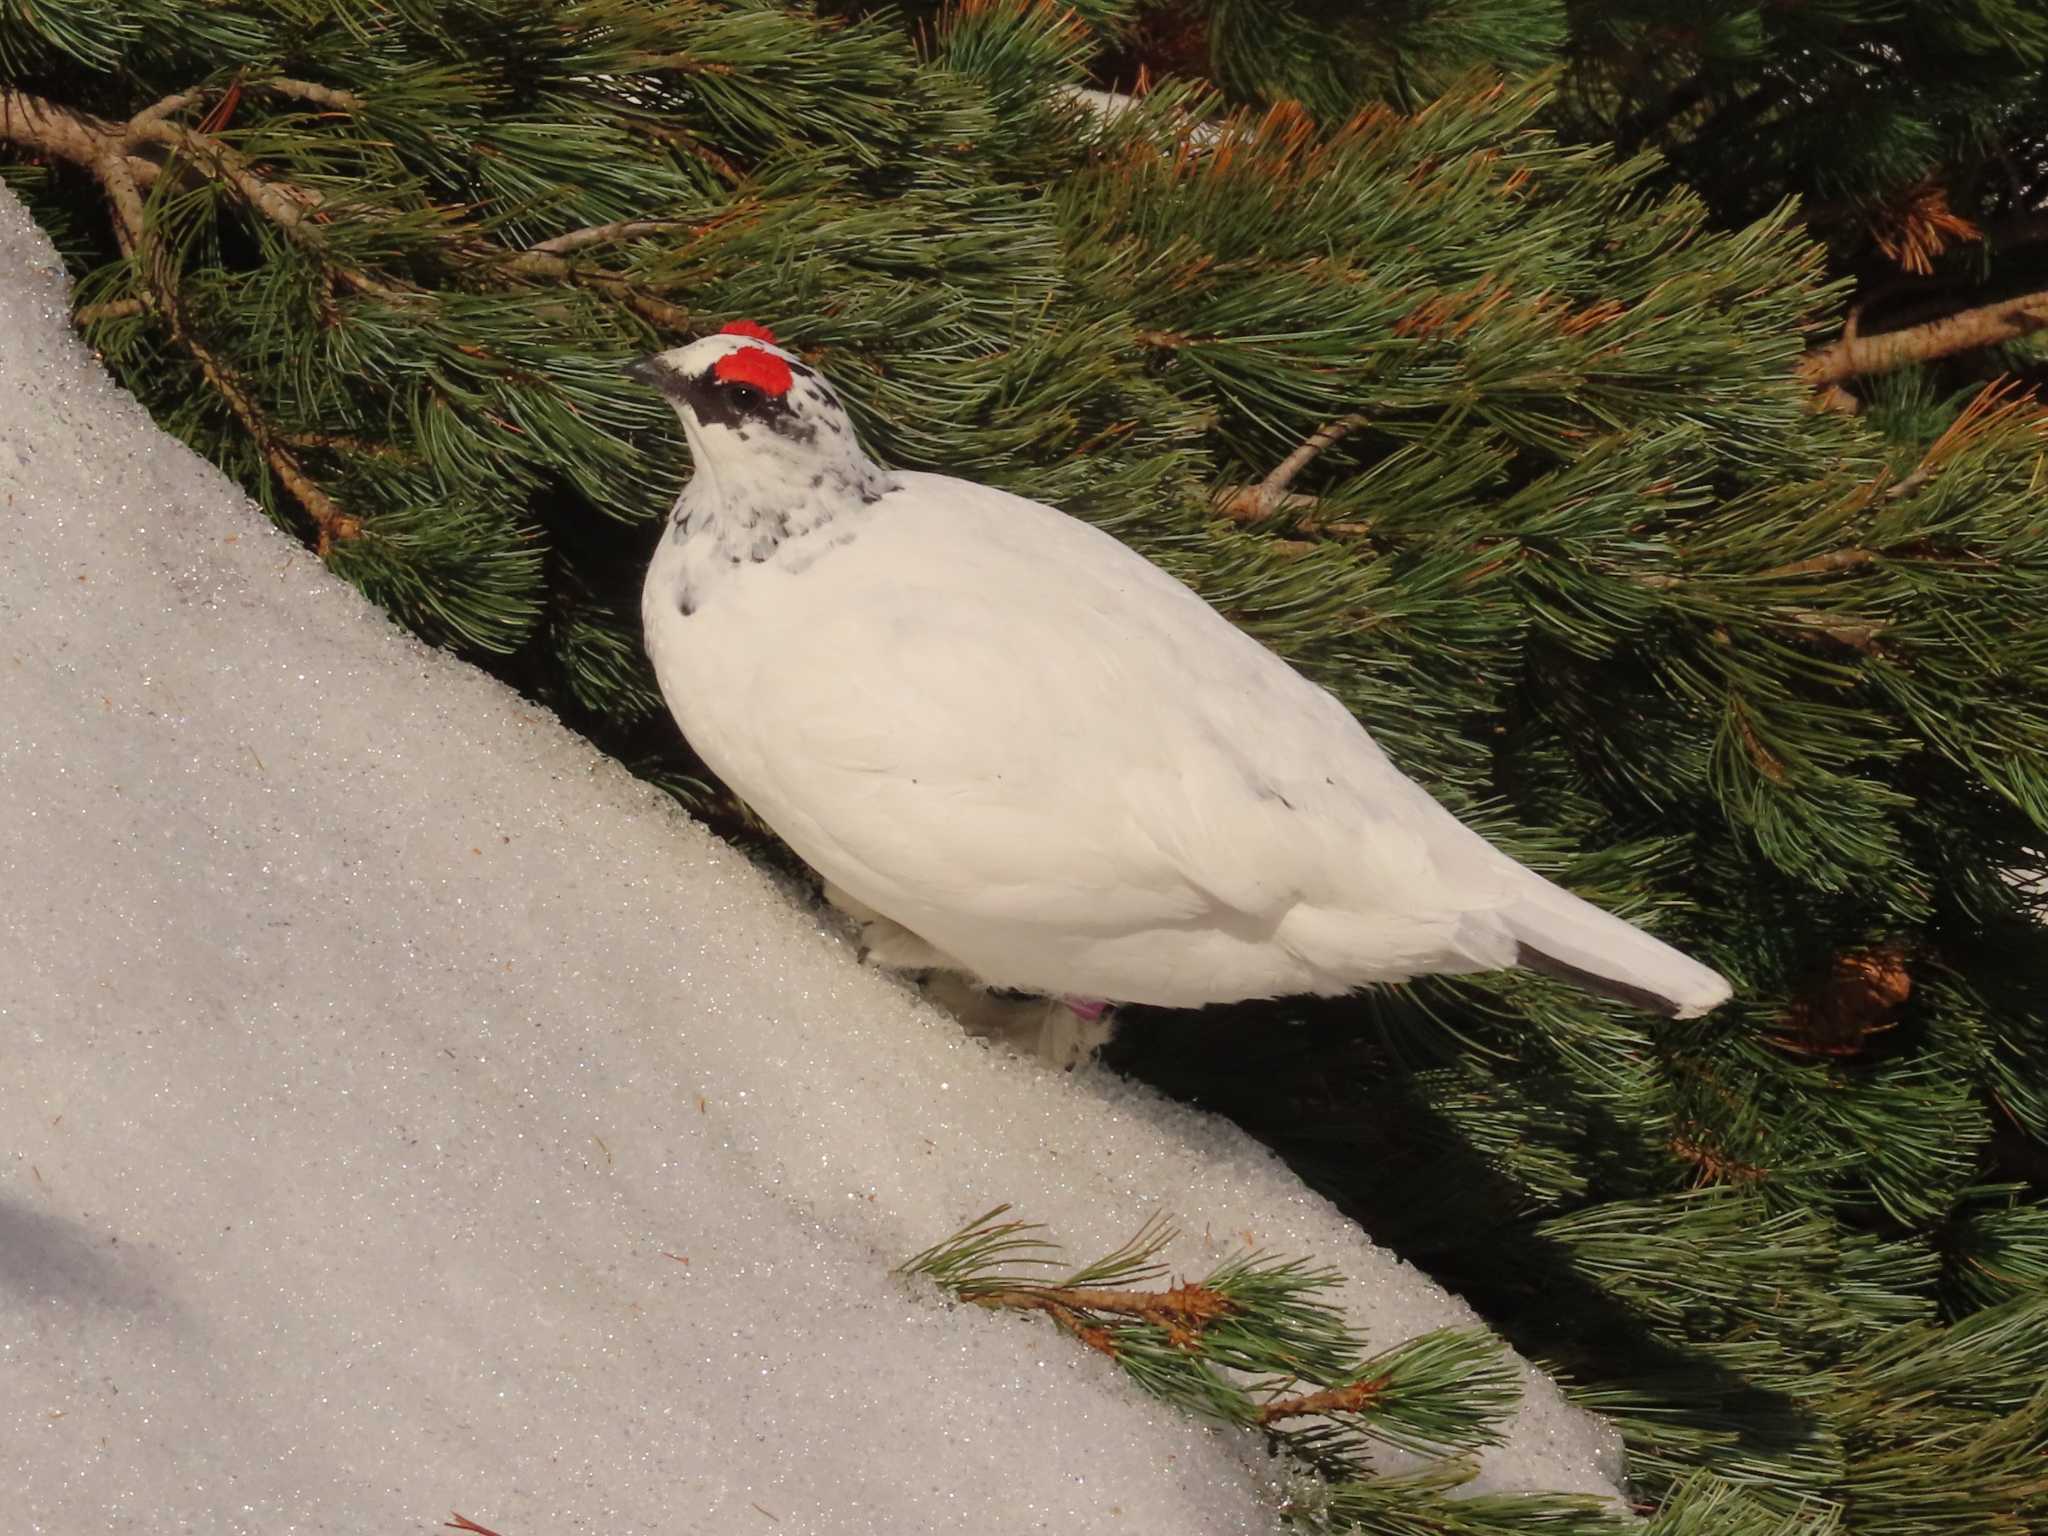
(113, 309)
(690, 145)
(307, 90)
(287, 206)
(150, 116)
(1275, 485)
(91, 142)
(1856, 636)
(329, 520)
(1900, 489)
(123, 194)
(682, 63)
(281, 203)
(106, 150)
(1352, 1399)
(1997, 402)
(41, 125)
(618, 229)
(1244, 504)
(548, 260)
(1856, 356)
(1254, 503)
(1094, 1337)
(87, 141)
(1184, 1311)
(339, 442)
(538, 263)
(64, 133)
(1821, 565)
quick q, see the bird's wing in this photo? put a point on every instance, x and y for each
(986, 706)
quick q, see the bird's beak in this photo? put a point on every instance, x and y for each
(649, 370)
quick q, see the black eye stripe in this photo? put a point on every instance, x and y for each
(736, 403)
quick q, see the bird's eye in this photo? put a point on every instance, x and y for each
(745, 396)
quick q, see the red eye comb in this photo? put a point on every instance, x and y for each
(750, 330)
(750, 365)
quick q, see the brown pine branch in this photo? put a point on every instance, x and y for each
(1762, 757)
(1244, 504)
(307, 90)
(1183, 1312)
(1858, 356)
(1253, 503)
(1091, 1334)
(1821, 565)
(104, 148)
(78, 138)
(1275, 485)
(618, 229)
(1857, 636)
(339, 442)
(1355, 1398)
(64, 133)
(548, 260)
(546, 265)
(282, 203)
(113, 309)
(149, 117)
(1906, 485)
(690, 145)
(681, 63)
(329, 520)
(83, 140)
(290, 207)
(1713, 1165)
(124, 195)
(1996, 405)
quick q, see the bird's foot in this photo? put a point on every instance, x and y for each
(1073, 1030)
(1050, 1028)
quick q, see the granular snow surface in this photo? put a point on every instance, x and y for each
(406, 1111)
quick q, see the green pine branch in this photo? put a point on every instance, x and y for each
(1252, 1344)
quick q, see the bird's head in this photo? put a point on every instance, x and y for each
(756, 416)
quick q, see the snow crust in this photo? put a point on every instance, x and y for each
(405, 1111)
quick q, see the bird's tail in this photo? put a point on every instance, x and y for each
(1562, 936)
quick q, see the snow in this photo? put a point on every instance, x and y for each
(407, 1111)
(1106, 107)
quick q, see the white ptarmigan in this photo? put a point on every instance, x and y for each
(1017, 749)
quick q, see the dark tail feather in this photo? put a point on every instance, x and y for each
(1621, 991)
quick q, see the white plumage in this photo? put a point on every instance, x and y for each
(1022, 751)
